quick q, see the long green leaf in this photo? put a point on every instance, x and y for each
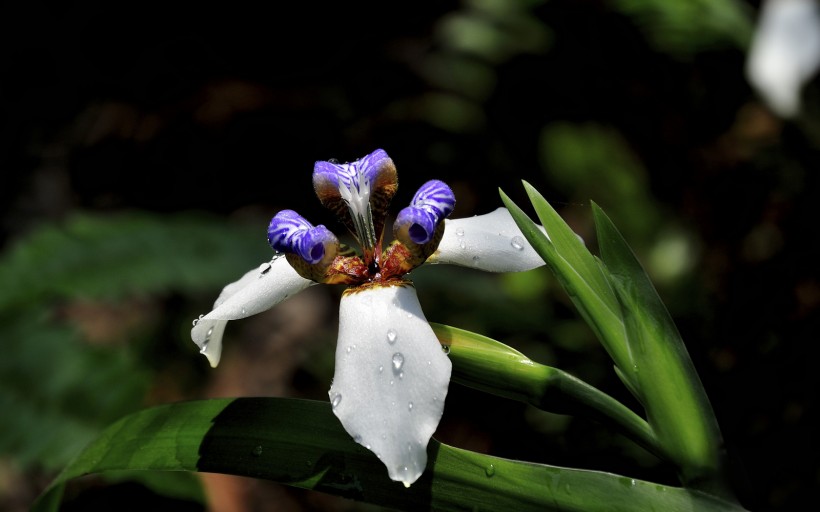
(300, 443)
(676, 403)
(577, 271)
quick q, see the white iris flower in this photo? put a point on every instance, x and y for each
(391, 375)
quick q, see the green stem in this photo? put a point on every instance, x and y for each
(488, 365)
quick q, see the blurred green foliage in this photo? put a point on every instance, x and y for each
(61, 379)
(684, 29)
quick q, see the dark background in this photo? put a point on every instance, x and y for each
(221, 111)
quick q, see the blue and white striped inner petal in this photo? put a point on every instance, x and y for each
(436, 197)
(289, 232)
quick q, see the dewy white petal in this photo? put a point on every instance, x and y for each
(256, 291)
(391, 377)
(785, 52)
(490, 242)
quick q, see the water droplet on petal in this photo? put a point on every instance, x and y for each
(204, 348)
(460, 232)
(381, 369)
(409, 447)
(357, 438)
(244, 312)
(410, 406)
(445, 349)
(196, 320)
(257, 451)
(398, 361)
(633, 483)
(489, 470)
(401, 375)
(263, 269)
(367, 446)
(391, 382)
(208, 335)
(391, 336)
(517, 243)
(463, 244)
(348, 349)
(336, 400)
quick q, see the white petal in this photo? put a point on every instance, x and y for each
(489, 242)
(256, 291)
(391, 376)
(785, 52)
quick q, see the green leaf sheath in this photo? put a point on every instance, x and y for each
(488, 365)
(577, 271)
(300, 443)
(676, 403)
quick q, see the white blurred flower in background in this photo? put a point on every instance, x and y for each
(785, 52)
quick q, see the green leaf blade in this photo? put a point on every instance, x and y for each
(577, 270)
(299, 443)
(676, 403)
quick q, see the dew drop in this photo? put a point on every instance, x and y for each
(445, 349)
(476, 257)
(348, 349)
(489, 470)
(263, 269)
(357, 438)
(336, 400)
(463, 244)
(257, 451)
(633, 483)
(401, 375)
(196, 320)
(333, 161)
(208, 335)
(460, 232)
(381, 369)
(391, 382)
(429, 363)
(398, 361)
(204, 348)
(409, 447)
(367, 446)
(244, 312)
(517, 243)
(391, 336)
(410, 406)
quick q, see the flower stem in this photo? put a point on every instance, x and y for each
(488, 365)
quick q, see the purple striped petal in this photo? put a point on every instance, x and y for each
(432, 203)
(436, 197)
(419, 223)
(289, 232)
(332, 173)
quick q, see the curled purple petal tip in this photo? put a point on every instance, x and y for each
(289, 232)
(419, 223)
(436, 197)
